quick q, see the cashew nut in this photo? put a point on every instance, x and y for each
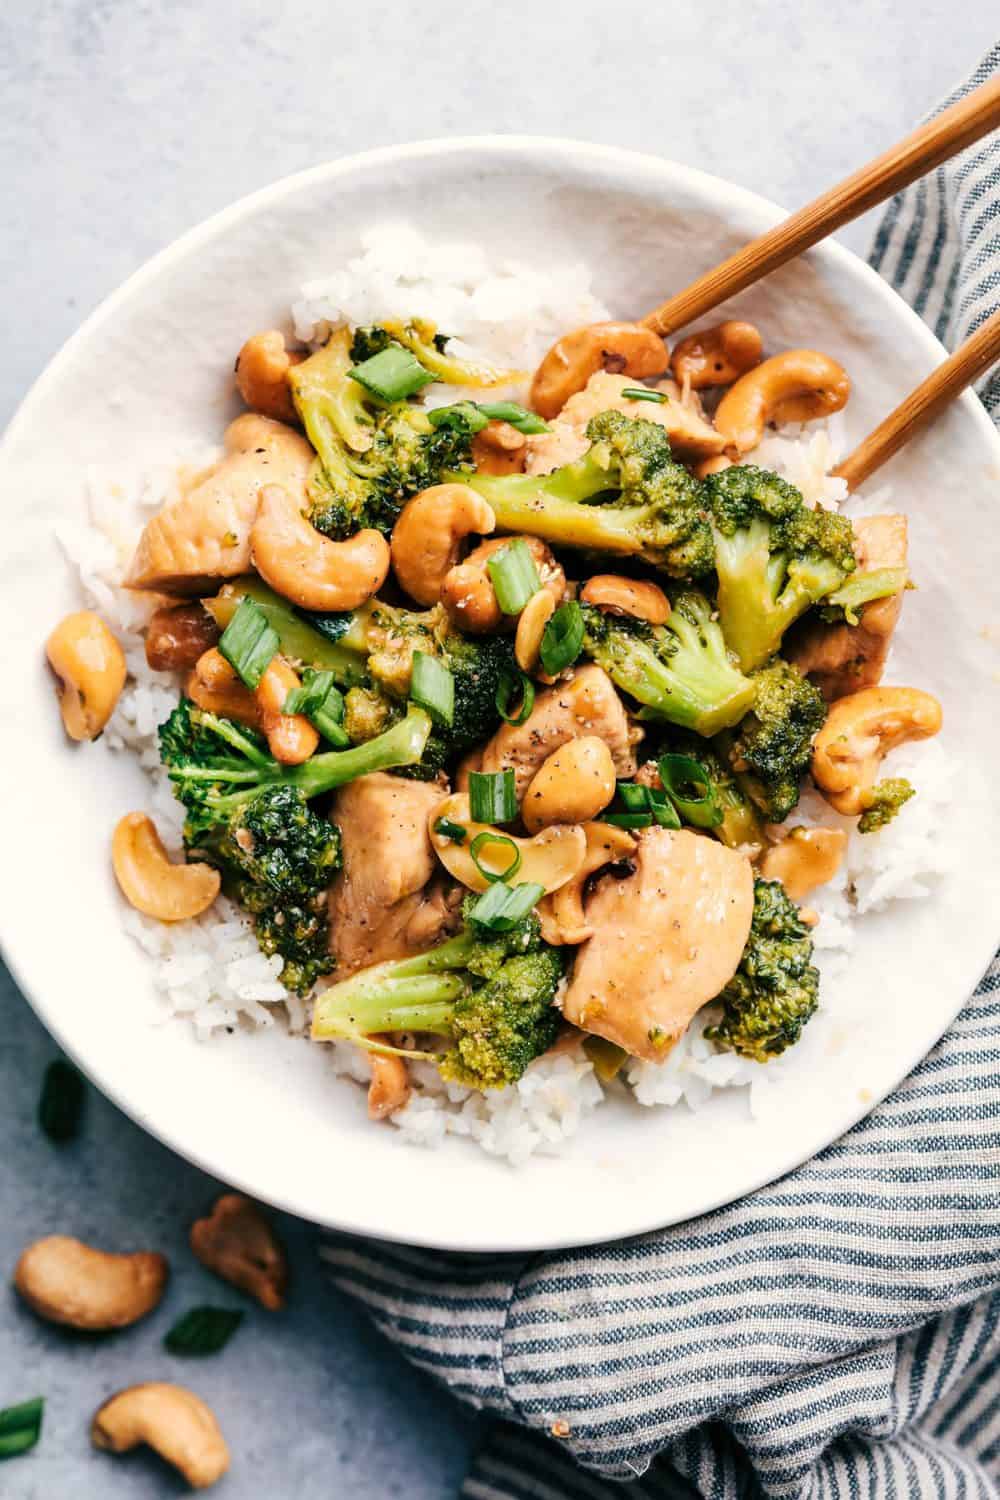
(90, 665)
(150, 883)
(173, 1421)
(621, 348)
(390, 1085)
(262, 367)
(562, 915)
(214, 686)
(714, 465)
(238, 1244)
(178, 635)
(531, 624)
(499, 449)
(429, 532)
(572, 785)
(65, 1281)
(549, 859)
(307, 567)
(627, 596)
(859, 731)
(291, 738)
(467, 591)
(718, 355)
(807, 858)
(796, 386)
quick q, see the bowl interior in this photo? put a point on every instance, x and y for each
(147, 377)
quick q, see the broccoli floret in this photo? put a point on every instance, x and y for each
(774, 557)
(883, 802)
(680, 671)
(627, 495)
(488, 996)
(770, 749)
(775, 990)
(300, 934)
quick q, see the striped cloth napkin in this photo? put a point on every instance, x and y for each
(834, 1335)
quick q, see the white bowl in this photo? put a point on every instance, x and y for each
(145, 376)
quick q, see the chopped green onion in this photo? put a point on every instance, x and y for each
(203, 1330)
(514, 683)
(486, 837)
(61, 1102)
(433, 687)
(628, 820)
(492, 796)
(633, 796)
(322, 702)
(682, 776)
(501, 907)
(562, 638)
(20, 1427)
(472, 416)
(249, 643)
(449, 830)
(643, 393)
(644, 805)
(392, 374)
(515, 576)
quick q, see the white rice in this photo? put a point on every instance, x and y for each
(211, 971)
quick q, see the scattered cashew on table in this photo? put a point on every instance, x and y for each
(65, 1281)
(170, 1419)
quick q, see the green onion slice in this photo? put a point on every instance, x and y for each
(562, 638)
(20, 1427)
(449, 830)
(628, 820)
(643, 393)
(472, 416)
(644, 805)
(515, 576)
(203, 1330)
(464, 416)
(501, 907)
(480, 842)
(322, 702)
(492, 796)
(690, 789)
(61, 1103)
(515, 684)
(433, 687)
(392, 374)
(249, 643)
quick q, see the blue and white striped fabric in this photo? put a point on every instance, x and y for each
(834, 1335)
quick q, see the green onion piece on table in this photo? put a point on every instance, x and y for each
(514, 575)
(61, 1102)
(481, 841)
(20, 1427)
(690, 789)
(391, 375)
(249, 643)
(433, 687)
(515, 684)
(203, 1330)
(562, 639)
(492, 796)
(501, 907)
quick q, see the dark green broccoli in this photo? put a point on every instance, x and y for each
(488, 995)
(300, 934)
(774, 557)
(883, 802)
(680, 671)
(770, 749)
(627, 495)
(775, 990)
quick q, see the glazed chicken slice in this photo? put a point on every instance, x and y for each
(585, 704)
(203, 536)
(667, 938)
(842, 659)
(690, 434)
(389, 899)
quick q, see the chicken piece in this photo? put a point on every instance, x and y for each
(842, 659)
(585, 704)
(389, 900)
(690, 434)
(667, 939)
(204, 535)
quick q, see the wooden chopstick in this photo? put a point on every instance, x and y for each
(921, 406)
(949, 132)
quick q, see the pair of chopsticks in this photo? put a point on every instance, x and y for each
(926, 148)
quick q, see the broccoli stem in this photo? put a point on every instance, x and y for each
(410, 994)
(345, 657)
(551, 507)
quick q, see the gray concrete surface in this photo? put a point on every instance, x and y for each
(127, 121)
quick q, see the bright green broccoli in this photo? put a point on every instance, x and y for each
(627, 495)
(775, 990)
(430, 348)
(883, 802)
(774, 557)
(487, 995)
(680, 671)
(770, 749)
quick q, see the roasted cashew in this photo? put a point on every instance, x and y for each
(717, 355)
(499, 449)
(65, 1281)
(178, 635)
(561, 914)
(307, 567)
(627, 596)
(150, 883)
(807, 858)
(262, 367)
(859, 731)
(621, 348)
(90, 665)
(714, 465)
(390, 1085)
(573, 785)
(291, 738)
(238, 1244)
(550, 858)
(796, 386)
(531, 624)
(214, 686)
(173, 1421)
(467, 591)
(428, 534)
